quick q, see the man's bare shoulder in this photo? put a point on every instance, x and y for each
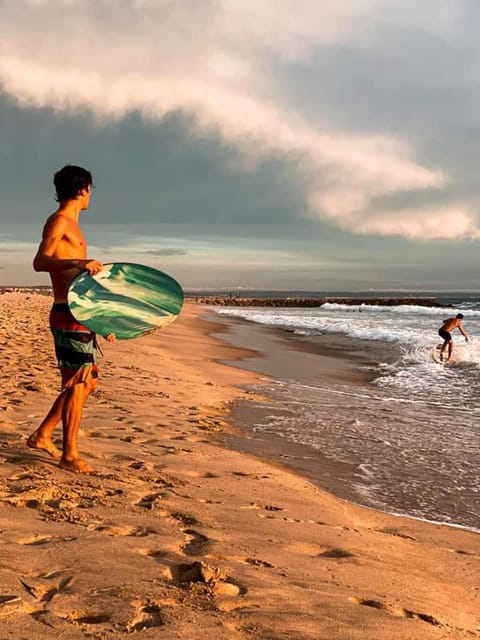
(56, 223)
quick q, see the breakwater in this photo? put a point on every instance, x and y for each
(227, 301)
(42, 290)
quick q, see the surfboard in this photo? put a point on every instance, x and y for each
(127, 299)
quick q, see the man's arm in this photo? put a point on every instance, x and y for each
(45, 260)
(462, 331)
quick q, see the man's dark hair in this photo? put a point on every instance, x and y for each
(459, 316)
(70, 181)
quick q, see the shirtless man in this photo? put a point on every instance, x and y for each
(63, 254)
(444, 332)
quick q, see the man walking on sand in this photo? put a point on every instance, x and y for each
(444, 332)
(63, 254)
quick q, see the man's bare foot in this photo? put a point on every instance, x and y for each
(77, 465)
(36, 442)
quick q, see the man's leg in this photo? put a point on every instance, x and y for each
(42, 437)
(76, 349)
(72, 411)
(442, 350)
(450, 349)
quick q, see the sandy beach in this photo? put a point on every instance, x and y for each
(175, 536)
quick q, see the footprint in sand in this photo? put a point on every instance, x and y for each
(218, 583)
(463, 552)
(196, 543)
(147, 615)
(266, 507)
(39, 540)
(294, 520)
(23, 476)
(256, 562)
(88, 618)
(56, 573)
(44, 592)
(29, 503)
(208, 501)
(397, 611)
(391, 531)
(134, 440)
(151, 553)
(184, 518)
(19, 459)
(97, 434)
(9, 604)
(313, 550)
(138, 465)
(121, 457)
(138, 532)
(197, 474)
(335, 553)
(149, 501)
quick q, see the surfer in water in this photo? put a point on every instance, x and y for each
(445, 333)
(63, 254)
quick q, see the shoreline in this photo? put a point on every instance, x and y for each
(275, 449)
(341, 358)
(210, 541)
(312, 445)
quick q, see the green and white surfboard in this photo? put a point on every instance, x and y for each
(126, 299)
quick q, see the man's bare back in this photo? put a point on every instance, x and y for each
(451, 323)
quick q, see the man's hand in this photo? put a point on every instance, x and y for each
(92, 266)
(111, 337)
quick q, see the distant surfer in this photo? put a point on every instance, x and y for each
(445, 333)
(63, 254)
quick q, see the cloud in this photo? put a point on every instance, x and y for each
(165, 252)
(14, 246)
(438, 223)
(213, 61)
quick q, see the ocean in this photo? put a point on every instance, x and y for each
(404, 436)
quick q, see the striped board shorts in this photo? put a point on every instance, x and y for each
(75, 344)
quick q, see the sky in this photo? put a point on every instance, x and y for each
(249, 144)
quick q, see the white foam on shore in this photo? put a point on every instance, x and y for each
(402, 309)
(413, 327)
(412, 456)
(415, 429)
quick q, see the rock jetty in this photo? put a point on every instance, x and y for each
(45, 291)
(227, 301)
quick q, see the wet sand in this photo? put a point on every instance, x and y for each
(341, 359)
(176, 536)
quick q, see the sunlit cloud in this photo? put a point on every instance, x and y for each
(164, 252)
(213, 60)
(439, 223)
(14, 246)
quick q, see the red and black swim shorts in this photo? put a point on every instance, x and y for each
(75, 344)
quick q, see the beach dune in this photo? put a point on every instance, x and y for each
(175, 536)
